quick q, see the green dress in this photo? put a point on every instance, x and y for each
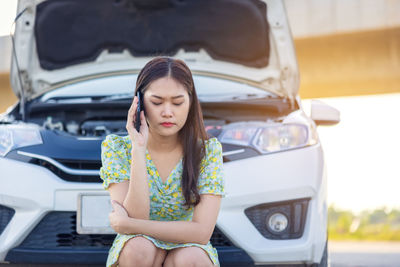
(166, 199)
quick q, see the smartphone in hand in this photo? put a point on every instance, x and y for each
(139, 108)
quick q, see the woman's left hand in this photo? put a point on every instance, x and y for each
(118, 218)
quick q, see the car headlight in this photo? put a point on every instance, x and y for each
(268, 138)
(16, 136)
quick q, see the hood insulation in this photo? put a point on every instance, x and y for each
(70, 32)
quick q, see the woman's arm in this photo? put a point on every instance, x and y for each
(199, 230)
(134, 194)
(137, 200)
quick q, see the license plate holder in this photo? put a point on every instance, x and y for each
(92, 213)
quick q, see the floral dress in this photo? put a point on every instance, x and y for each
(166, 198)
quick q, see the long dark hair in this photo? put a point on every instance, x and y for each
(193, 134)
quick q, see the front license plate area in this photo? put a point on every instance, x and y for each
(92, 214)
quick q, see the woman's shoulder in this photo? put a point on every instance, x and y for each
(116, 142)
(213, 146)
(212, 142)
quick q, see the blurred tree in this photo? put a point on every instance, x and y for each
(379, 224)
(378, 216)
(344, 222)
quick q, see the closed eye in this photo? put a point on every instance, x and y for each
(176, 104)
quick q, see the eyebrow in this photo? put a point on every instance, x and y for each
(174, 97)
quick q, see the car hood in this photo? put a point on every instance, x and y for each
(58, 41)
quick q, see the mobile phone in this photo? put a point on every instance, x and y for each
(139, 108)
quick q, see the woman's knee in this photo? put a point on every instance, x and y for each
(137, 251)
(191, 257)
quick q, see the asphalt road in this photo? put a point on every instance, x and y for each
(364, 254)
(341, 254)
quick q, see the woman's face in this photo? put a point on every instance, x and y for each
(167, 105)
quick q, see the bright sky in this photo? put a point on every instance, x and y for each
(362, 151)
(8, 10)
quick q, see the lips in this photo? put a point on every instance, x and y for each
(167, 124)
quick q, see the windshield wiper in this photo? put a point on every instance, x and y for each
(252, 96)
(88, 98)
(235, 97)
(116, 97)
(68, 99)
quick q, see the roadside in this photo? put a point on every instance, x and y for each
(364, 254)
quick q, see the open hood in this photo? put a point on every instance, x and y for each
(60, 40)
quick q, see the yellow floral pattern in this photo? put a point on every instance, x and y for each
(166, 199)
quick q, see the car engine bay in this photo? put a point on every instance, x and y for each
(100, 119)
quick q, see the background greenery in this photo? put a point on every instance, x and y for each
(379, 224)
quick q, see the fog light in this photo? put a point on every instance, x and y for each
(277, 222)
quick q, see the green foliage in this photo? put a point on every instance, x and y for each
(378, 224)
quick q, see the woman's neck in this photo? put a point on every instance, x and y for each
(163, 144)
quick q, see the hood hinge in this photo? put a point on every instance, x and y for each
(286, 80)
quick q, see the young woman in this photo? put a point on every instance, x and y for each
(165, 181)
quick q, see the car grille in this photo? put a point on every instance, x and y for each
(58, 230)
(78, 165)
(81, 165)
(6, 215)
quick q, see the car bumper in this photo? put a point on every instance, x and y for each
(269, 179)
(34, 192)
(228, 257)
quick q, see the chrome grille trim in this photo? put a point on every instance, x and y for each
(59, 165)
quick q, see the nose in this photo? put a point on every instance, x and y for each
(167, 111)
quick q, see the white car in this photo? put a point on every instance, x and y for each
(74, 70)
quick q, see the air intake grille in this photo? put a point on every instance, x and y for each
(58, 230)
(81, 164)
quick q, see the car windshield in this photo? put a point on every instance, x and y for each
(119, 87)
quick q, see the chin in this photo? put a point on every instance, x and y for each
(167, 132)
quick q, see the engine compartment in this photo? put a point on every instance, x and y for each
(98, 119)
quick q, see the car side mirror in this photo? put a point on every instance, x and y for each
(323, 114)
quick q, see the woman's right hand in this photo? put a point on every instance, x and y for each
(138, 139)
